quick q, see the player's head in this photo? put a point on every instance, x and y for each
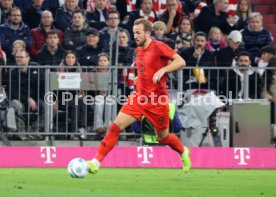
(142, 30)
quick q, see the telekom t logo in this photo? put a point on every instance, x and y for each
(49, 153)
(146, 153)
(242, 154)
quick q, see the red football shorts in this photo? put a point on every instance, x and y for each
(156, 112)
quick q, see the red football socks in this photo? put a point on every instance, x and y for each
(174, 142)
(108, 142)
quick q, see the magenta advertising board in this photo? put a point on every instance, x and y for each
(140, 157)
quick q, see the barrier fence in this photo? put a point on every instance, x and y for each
(75, 104)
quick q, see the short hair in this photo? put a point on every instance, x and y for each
(127, 33)
(268, 49)
(243, 53)
(27, 54)
(20, 42)
(200, 33)
(103, 54)
(51, 32)
(13, 9)
(255, 14)
(159, 25)
(76, 11)
(113, 12)
(147, 25)
(47, 11)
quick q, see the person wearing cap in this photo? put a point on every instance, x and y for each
(226, 55)
(88, 53)
(267, 53)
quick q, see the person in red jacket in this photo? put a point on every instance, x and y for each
(39, 33)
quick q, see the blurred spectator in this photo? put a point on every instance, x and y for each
(215, 16)
(64, 14)
(52, 5)
(268, 87)
(25, 93)
(52, 52)
(3, 57)
(102, 114)
(32, 15)
(13, 30)
(146, 11)
(3, 71)
(184, 34)
(244, 8)
(5, 7)
(172, 16)
(91, 5)
(267, 53)
(125, 7)
(125, 58)
(215, 41)
(76, 110)
(97, 19)
(255, 36)
(109, 34)
(226, 55)
(159, 30)
(23, 4)
(196, 56)
(39, 33)
(159, 6)
(236, 82)
(75, 35)
(18, 45)
(88, 53)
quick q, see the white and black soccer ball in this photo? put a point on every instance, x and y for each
(77, 168)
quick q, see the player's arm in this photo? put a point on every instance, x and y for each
(177, 63)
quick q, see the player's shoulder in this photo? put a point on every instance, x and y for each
(158, 44)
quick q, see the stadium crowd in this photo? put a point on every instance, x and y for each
(82, 34)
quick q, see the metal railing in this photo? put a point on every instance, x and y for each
(47, 121)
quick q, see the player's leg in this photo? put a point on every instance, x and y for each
(166, 138)
(110, 140)
(159, 116)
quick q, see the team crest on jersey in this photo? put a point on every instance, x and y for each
(161, 120)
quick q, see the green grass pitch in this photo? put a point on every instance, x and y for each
(53, 182)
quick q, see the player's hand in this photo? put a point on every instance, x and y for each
(158, 75)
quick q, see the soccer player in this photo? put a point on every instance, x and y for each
(153, 60)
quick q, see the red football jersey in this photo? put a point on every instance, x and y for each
(148, 62)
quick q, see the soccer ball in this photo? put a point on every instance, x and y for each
(77, 168)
